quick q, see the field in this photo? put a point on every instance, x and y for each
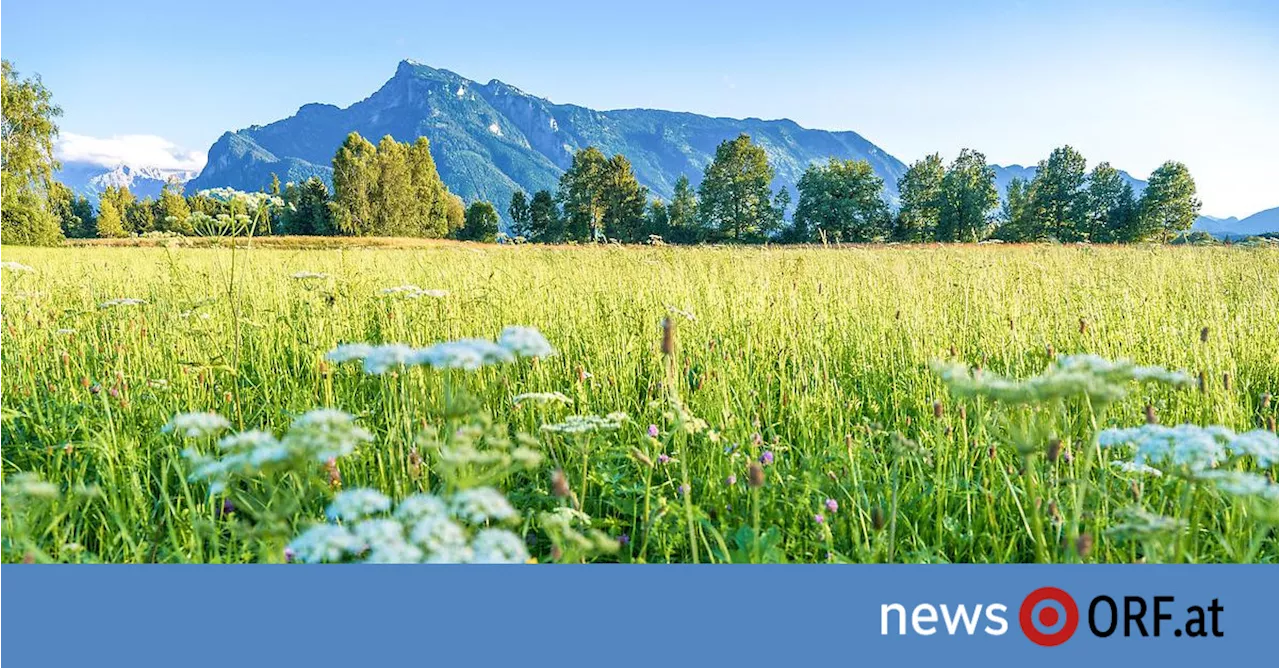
(790, 411)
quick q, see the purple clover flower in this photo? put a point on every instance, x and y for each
(819, 518)
(731, 480)
(663, 458)
(832, 506)
(653, 431)
(767, 458)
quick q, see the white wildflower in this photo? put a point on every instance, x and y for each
(31, 486)
(1239, 483)
(420, 506)
(1193, 447)
(460, 554)
(437, 533)
(480, 505)
(354, 504)
(465, 354)
(66, 331)
(122, 301)
(1134, 467)
(196, 425)
(1262, 445)
(326, 433)
(348, 352)
(309, 275)
(541, 398)
(525, 342)
(16, 267)
(381, 359)
(246, 441)
(498, 546)
(683, 313)
(581, 424)
(324, 543)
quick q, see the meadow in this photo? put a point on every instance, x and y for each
(778, 404)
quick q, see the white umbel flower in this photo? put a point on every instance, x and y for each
(480, 505)
(324, 543)
(356, 504)
(196, 425)
(498, 546)
(525, 342)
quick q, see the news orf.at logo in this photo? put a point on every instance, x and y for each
(1048, 616)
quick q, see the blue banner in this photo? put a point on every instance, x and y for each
(639, 615)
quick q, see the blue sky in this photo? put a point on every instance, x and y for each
(1134, 83)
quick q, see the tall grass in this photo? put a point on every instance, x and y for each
(820, 358)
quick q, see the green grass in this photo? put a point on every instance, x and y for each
(815, 355)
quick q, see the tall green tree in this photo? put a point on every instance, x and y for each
(110, 224)
(309, 214)
(1015, 214)
(1059, 196)
(392, 196)
(173, 212)
(355, 177)
(968, 193)
(582, 194)
(682, 215)
(518, 210)
(1169, 204)
(73, 213)
(26, 160)
(430, 203)
(843, 200)
(481, 223)
(920, 192)
(625, 201)
(1111, 206)
(735, 198)
(140, 217)
(122, 200)
(545, 224)
(656, 221)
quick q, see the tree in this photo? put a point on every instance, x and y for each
(73, 213)
(354, 182)
(454, 213)
(309, 215)
(110, 223)
(140, 217)
(26, 160)
(520, 214)
(843, 200)
(1169, 204)
(173, 209)
(122, 199)
(582, 194)
(920, 192)
(656, 221)
(682, 214)
(1059, 198)
(481, 223)
(735, 197)
(1110, 208)
(1015, 214)
(392, 196)
(430, 205)
(624, 200)
(545, 224)
(968, 193)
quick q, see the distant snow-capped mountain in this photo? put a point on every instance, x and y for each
(90, 179)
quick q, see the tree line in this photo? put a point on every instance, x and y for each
(394, 189)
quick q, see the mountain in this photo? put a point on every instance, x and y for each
(90, 179)
(489, 140)
(1006, 174)
(1259, 223)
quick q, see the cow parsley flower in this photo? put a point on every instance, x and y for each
(196, 425)
(1239, 483)
(325, 434)
(1135, 467)
(122, 301)
(324, 543)
(480, 505)
(436, 533)
(420, 506)
(683, 313)
(383, 358)
(1100, 379)
(16, 267)
(459, 554)
(1262, 445)
(465, 354)
(581, 424)
(359, 503)
(348, 352)
(1193, 447)
(525, 342)
(1137, 523)
(498, 546)
(31, 486)
(246, 441)
(402, 291)
(541, 398)
(309, 275)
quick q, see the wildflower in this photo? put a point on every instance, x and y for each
(325, 433)
(30, 485)
(755, 476)
(1193, 447)
(1137, 523)
(382, 542)
(1260, 444)
(324, 543)
(123, 301)
(437, 533)
(66, 331)
(309, 275)
(541, 397)
(16, 267)
(1239, 483)
(1070, 375)
(624, 540)
(481, 505)
(832, 506)
(419, 507)
(354, 504)
(410, 291)
(767, 458)
(195, 425)
(559, 484)
(498, 546)
(731, 480)
(381, 359)
(348, 352)
(683, 313)
(818, 518)
(466, 354)
(653, 431)
(525, 342)
(580, 424)
(1134, 467)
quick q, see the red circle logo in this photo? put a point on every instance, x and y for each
(1048, 616)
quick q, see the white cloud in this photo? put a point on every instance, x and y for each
(133, 150)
